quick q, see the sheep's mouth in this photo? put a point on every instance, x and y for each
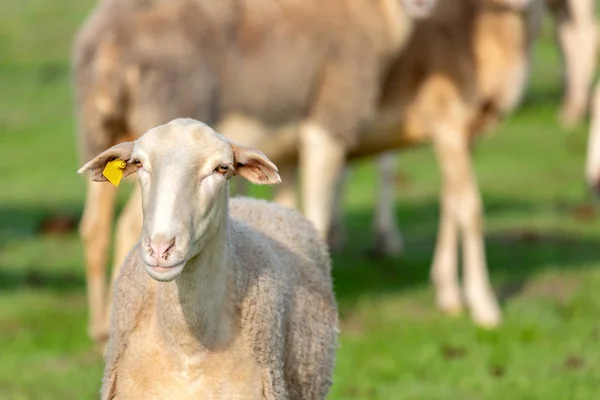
(165, 273)
(163, 265)
(163, 269)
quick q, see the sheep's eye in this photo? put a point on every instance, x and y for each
(137, 163)
(222, 169)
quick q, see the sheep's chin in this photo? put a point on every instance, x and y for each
(164, 274)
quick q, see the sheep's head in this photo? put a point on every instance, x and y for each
(183, 168)
(419, 9)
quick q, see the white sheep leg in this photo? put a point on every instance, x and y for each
(285, 192)
(388, 239)
(444, 270)
(478, 291)
(461, 201)
(592, 167)
(95, 232)
(321, 161)
(578, 40)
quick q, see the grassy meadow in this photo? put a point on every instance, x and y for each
(543, 241)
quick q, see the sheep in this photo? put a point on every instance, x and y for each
(311, 66)
(498, 55)
(430, 95)
(577, 37)
(219, 299)
(500, 91)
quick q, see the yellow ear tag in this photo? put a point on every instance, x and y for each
(114, 171)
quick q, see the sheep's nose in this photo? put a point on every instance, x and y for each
(160, 246)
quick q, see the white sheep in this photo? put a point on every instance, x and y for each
(219, 299)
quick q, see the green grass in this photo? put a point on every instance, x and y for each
(543, 249)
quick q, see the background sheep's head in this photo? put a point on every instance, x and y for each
(183, 168)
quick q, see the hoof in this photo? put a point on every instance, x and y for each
(488, 324)
(453, 312)
(489, 318)
(449, 301)
(570, 118)
(389, 244)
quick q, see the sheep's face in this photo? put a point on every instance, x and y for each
(419, 9)
(183, 168)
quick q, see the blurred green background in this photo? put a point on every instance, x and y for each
(543, 241)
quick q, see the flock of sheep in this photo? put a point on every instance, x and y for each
(222, 298)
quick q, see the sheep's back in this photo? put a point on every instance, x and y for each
(284, 226)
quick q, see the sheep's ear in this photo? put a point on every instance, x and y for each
(253, 165)
(121, 151)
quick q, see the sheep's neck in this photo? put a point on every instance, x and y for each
(194, 311)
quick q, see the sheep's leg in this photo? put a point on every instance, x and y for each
(388, 239)
(129, 229)
(577, 35)
(444, 271)
(461, 204)
(95, 233)
(592, 167)
(321, 160)
(337, 232)
(285, 192)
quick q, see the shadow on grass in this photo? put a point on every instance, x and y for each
(28, 278)
(34, 222)
(23, 222)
